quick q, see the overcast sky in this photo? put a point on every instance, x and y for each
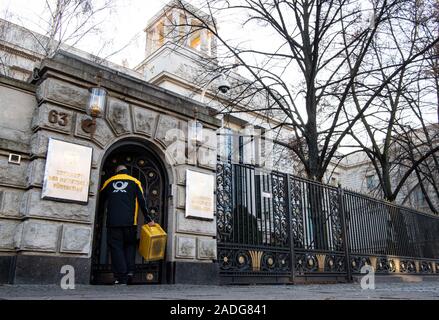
(126, 23)
(123, 25)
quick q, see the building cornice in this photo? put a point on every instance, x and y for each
(84, 72)
(17, 84)
(21, 52)
(166, 76)
(183, 51)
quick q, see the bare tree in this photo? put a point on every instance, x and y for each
(70, 21)
(307, 73)
(63, 25)
(391, 121)
(432, 60)
(425, 180)
(5, 57)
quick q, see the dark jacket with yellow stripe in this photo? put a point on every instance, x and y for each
(124, 196)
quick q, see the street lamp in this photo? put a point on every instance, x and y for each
(95, 108)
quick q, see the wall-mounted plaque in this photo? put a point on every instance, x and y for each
(199, 195)
(67, 173)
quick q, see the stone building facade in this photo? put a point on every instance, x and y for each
(38, 237)
(358, 174)
(146, 125)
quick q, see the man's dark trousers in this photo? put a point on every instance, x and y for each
(123, 242)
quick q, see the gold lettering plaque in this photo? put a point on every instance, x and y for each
(199, 195)
(67, 173)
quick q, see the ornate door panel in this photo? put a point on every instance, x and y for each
(143, 166)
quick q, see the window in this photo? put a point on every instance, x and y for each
(248, 146)
(225, 144)
(241, 149)
(209, 43)
(196, 42)
(419, 197)
(201, 40)
(370, 182)
(238, 146)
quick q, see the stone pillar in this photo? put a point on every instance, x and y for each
(187, 30)
(175, 25)
(214, 47)
(147, 43)
(168, 28)
(204, 42)
(54, 233)
(191, 242)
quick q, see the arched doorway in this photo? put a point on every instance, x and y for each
(143, 164)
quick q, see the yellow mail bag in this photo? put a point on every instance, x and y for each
(152, 242)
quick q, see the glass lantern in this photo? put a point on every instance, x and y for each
(96, 104)
(195, 133)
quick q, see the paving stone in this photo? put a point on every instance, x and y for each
(389, 291)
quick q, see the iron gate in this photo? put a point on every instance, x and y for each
(253, 226)
(274, 227)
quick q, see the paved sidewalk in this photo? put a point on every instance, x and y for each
(390, 291)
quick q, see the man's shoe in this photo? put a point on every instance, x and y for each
(130, 278)
(119, 283)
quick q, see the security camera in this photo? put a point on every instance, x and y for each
(224, 85)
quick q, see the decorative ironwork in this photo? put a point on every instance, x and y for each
(280, 208)
(252, 217)
(241, 261)
(144, 167)
(256, 259)
(224, 201)
(225, 259)
(358, 262)
(332, 231)
(321, 262)
(385, 265)
(336, 227)
(335, 264)
(426, 267)
(297, 213)
(306, 263)
(407, 266)
(315, 215)
(275, 262)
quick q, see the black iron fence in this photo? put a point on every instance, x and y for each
(273, 227)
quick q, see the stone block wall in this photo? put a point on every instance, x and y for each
(17, 107)
(30, 226)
